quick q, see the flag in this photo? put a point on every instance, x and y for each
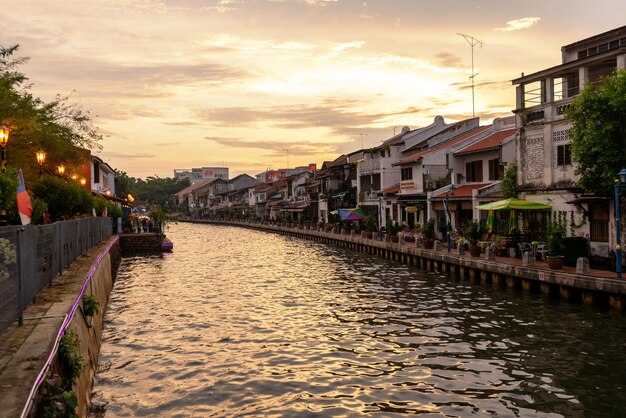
(104, 212)
(24, 207)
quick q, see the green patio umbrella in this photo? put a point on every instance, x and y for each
(491, 220)
(512, 222)
(513, 203)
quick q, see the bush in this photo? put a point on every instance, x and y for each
(370, 223)
(70, 358)
(63, 199)
(428, 231)
(91, 306)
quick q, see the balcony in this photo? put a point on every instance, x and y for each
(369, 166)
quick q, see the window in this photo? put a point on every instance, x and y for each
(407, 173)
(474, 171)
(96, 172)
(563, 155)
(494, 169)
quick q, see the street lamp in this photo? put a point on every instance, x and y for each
(450, 190)
(619, 187)
(380, 214)
(41, 158)
(4, 138)
(61, 170)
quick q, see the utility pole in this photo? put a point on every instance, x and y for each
(472, 42)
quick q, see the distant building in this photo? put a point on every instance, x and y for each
(203, 173)
(271, 176)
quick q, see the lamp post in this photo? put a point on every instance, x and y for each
(4, 138)
(41, 158)
(380, 214)
(450, 190)
(619, 187)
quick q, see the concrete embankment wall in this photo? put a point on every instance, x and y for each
(502, 272)
(93, 273)
(89, 330)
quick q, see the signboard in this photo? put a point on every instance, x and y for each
(407, 184)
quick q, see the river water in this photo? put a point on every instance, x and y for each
(238, 322)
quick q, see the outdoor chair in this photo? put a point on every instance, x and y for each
(524, 247)
(542, 250)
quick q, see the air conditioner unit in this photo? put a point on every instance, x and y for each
(430, 185)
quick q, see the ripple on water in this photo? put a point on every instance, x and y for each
(239, 322)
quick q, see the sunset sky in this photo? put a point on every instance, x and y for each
(254, 84)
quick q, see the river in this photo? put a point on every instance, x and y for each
(237, 322)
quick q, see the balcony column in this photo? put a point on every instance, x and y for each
(583, 76)
(548, 90)
(621, 62)
(519, 102)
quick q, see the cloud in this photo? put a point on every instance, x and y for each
(307, 2)
(167, 144)
(182, 123)
(519, 24)
(446, 59)
(278, 148)
(332, 113)
(119, 155)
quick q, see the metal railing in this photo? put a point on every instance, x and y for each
(31, 256)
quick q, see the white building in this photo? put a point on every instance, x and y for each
(545, 168)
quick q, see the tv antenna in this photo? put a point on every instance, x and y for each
(472, 42)
(362, 139)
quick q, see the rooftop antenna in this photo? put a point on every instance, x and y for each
(472, 42)
(362, 139)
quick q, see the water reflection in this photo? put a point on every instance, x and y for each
(240, 322)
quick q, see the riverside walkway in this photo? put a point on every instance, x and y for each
(595, 287)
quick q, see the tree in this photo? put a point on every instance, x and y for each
(508, 186)
(60, 128)
(156, 190)
(598, 133)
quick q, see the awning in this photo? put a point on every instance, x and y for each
(412, 199)
(588, 199)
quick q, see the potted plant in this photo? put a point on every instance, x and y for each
(555, 258)
(472, 233)
(428, 234)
